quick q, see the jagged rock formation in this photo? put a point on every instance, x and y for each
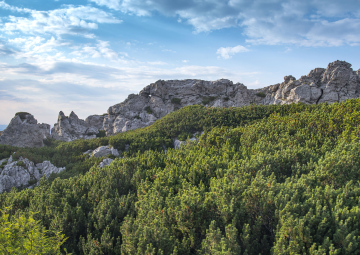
(24, 131)
(336, 83)
(23, 173)
(71, 128)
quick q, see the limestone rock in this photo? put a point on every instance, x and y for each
(106, 162)
(71, 128)
(24, 131)
(336, 83)
(47, 168)
(162, 97)
(178, 143)
(24, 173)
(96, 121)
(103, 151)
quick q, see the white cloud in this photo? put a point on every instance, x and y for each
(100, 50)
(228, 52)
(5, 6)
(306, 22)
(70, 20)
(87, 88)
(5, 50)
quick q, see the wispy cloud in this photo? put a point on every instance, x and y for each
(306, 23)
(86, 88)
(227, 52)
(75, 20)
(100, 50)
(4, 50)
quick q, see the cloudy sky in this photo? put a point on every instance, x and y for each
(86, 55)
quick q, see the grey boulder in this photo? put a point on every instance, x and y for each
(24, 173)
(24, 131)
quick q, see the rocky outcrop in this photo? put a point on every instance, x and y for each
(336, 83)
(24, 131)
(96, 121)
(24, 173)
(71, 128)
(103, 151)
(163, 97)
(105, 162)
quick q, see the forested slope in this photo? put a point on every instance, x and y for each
(260, 179)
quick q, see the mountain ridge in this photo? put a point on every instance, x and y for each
(337, 83)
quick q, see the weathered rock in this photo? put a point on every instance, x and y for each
(71, 128)
(103, 151)
(96, 121)
(178, 143)
(163, 97)
(47, 168)
(24, 131)
(23, 173)
(106, 162)
(336, 83)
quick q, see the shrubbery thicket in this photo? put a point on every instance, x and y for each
(259, 180)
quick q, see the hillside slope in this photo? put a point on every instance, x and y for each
(280, 179)
(336, 83)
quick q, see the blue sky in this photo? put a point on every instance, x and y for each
(86, 55)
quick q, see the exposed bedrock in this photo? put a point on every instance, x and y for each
(24, 131)
(336, 83)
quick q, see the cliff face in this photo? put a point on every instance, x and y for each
(23, 173)
(336, 83)
(24, 131)
(72, 128)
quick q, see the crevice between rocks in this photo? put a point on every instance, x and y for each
(322, 92)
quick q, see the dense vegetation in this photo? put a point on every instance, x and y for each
(25, 236)
(259, 180)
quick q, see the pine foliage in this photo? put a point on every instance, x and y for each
(258, 180)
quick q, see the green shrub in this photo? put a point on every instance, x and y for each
(148, 110)
(22, 115)
(24, 235)
(21, 163)
(183, 136)
(260, 94)
(102, 133)
(175, 100)
(3, 164)
(32, 182)
(207, 100)
(277, 179)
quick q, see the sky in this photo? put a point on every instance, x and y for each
(86, 55)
